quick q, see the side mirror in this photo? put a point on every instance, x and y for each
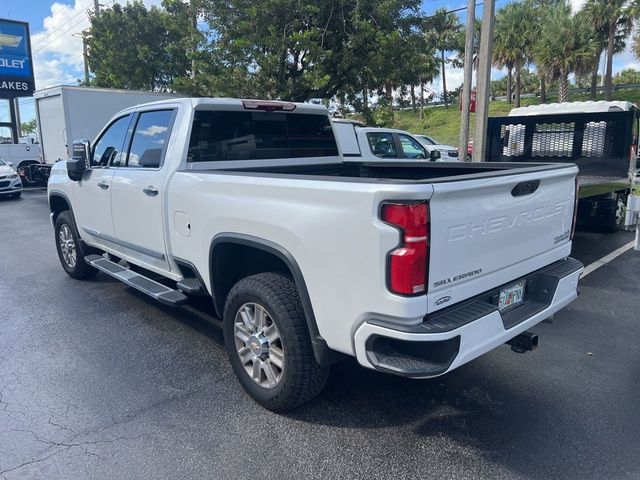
(79, 160)
(10, 164)
(434, 155)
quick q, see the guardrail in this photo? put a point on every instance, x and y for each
(585, 90)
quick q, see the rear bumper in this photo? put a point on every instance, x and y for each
(456, 335)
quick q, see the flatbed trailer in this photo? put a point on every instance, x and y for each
(601, 138)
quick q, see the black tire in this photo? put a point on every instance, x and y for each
(616, 220)
(16, 195)
(78, 269)
(302, 378)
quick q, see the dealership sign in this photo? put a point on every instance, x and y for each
(16, 66)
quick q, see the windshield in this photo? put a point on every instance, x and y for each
(2, 162)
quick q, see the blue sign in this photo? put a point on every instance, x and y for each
(16, 65)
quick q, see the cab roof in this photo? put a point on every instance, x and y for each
(208, 103)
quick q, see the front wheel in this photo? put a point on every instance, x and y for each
(70, 250)
(268, 342)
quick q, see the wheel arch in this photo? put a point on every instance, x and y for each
(58, 203)
(233, 256)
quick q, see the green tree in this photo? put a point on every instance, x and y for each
(134, 47)
(28, 127)
(539, 9)
(628, 75)
(512, 42)
(458, 60)
(529, 83)
(298, 50)
(445, 27)
(612, 22)
(565, 45)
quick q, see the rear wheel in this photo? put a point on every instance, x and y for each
(616, 220)
(268, 342)
(620, 210)
(71, 251)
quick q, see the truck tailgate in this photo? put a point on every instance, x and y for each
(487, 233)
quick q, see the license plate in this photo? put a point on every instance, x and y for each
(511, 296)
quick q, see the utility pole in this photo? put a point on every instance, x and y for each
(468, 78)
(96, 7)
(14, 116)
(194, 24)
(86, 59)
(484, 80)
(85, 54)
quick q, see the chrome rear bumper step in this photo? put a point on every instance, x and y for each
(158, 291)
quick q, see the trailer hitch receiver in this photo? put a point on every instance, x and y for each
(525, 342)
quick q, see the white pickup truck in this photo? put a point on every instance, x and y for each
(412, 268)
(374, 144)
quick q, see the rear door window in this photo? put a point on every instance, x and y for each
(149, 139)
(238, 135)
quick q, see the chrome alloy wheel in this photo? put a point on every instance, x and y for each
(67, 246)
(259, 345)
(620, 211)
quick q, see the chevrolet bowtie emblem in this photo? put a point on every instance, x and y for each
(7, 40)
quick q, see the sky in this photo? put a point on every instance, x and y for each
(57, 53)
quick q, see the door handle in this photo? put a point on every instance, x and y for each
(150, 190)
(103, 185)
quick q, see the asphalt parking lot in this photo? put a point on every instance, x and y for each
(97, 381)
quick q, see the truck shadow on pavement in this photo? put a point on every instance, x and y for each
(493, 407)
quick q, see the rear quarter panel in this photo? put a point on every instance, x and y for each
(331, 228)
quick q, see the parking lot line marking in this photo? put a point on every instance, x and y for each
(606, 259)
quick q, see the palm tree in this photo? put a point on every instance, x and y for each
(538, 8)
(445, 27)
(612, 19)
(612, 22)
(565, 45)
(502, 58)
(458, 60)
(512, 40)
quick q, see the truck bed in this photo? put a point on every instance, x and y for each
(393, 172)
(483, 230)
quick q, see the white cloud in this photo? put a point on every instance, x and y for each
(576, 5)
(57, 53)
(152, 130)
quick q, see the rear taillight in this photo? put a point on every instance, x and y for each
(407, 263)
(575, 211)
